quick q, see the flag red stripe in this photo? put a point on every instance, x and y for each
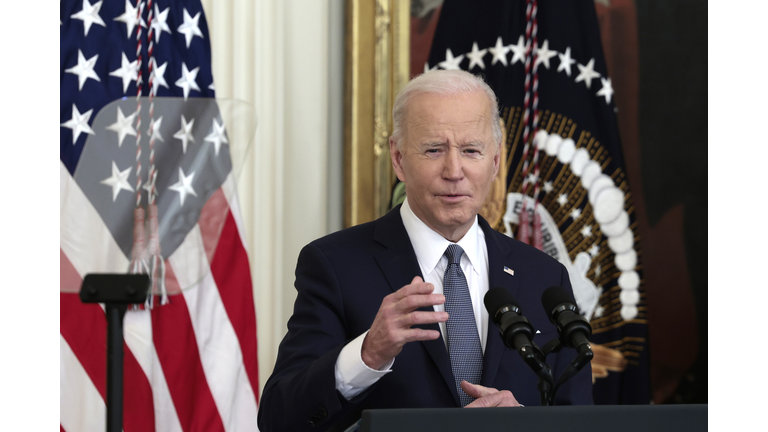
(84, 327)
(212, 217)
(138, 403)
(231, 271)
(179, 356)
(69, 278)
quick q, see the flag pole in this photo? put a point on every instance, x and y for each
(115, 313)
(116, 291)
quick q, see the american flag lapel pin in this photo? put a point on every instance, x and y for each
(509, 271)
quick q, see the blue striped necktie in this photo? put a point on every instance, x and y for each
(463, 341)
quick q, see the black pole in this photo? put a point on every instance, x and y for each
(545, 392)
(116, 291)
(115, 314)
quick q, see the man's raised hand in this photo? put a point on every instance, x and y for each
(392, 327)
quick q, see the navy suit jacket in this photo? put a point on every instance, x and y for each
(341, 280)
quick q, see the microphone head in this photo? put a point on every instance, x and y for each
(497, 300)
(554, 297)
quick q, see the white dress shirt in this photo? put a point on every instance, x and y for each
(352, 374)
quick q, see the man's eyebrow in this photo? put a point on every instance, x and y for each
(433, 143)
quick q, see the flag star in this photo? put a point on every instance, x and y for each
(499, 52)
(217, 136)
(451, 62)
(159, 24)
(123, 126)
(155, 132)
(427, 68)
(562, 199)
(565, 61)
(532, 178)
(118, 181)
(84, 69)
(543, 54)
(587, 73)
(149, 185)
(130, 17)
(184, 185)
(79, 123)
(594, 250)
(518, 51)
(587, 231)
(128, 71)
(158, 77)
(476, 57)
(548, 187)
(89, 14)
(185, 133)
(575, 213)
(607, 90)
(210, 87)
(189, 28)
(188, 79)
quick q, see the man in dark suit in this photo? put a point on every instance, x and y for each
(389, 314)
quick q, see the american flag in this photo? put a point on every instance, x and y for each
(191, 361)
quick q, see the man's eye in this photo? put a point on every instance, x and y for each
(433, 150)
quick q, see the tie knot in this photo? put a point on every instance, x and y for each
(454, 253)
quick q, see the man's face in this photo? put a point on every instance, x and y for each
(447, 159)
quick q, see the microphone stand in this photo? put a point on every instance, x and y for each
(116, 291)
(584, 355)
(534, 358)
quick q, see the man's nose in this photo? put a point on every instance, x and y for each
(452, 169)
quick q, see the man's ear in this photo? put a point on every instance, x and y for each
(397, 158)
(497, 160)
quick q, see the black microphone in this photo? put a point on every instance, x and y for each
(573, 328)
(515, 330)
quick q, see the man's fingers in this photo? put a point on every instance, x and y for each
(420, 317)
(415, 301)
(476, 390)
(416, 295)
(420, 287)
(488, 397)
(417, 334)
(392, 327)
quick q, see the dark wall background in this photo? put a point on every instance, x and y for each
(673, 137)
(656, 53)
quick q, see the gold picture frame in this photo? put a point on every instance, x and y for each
(376, 68)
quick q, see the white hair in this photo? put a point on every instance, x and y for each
(442, 83)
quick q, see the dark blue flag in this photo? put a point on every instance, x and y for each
(572, 170)
(98, 60)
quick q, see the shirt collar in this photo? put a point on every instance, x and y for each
(430, 246)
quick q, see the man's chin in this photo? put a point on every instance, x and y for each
(455, 221)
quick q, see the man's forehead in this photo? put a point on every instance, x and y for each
(476, 98)
(469, 112)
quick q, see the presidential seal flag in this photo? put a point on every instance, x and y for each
(563, 186)
(147, 185)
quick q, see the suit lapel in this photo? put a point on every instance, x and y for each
(499, 256)
(399, 264)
